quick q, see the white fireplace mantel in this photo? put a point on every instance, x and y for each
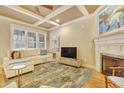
(111, 43)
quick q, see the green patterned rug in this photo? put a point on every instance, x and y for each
(55, 75)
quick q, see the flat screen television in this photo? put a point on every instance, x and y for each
(69, 52)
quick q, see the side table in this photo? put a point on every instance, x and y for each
(19, 69)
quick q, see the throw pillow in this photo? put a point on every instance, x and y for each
(43, 52)
(15, 55)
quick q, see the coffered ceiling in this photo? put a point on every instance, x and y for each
(40, 10)
(91, 8)
(16, 15)
(48, 16)
(68, 15)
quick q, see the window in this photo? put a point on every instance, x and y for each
(54, 41)
(23, 39)
(31, 40)
(42, 41)
(18, 39)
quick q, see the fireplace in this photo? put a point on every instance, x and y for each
(112, 65)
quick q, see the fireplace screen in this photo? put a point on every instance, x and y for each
(112, 66)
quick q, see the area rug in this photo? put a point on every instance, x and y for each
(55, 75)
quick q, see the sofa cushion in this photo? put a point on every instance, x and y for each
(38, 57)
(20, 61)
(30, 53)
(14, 54)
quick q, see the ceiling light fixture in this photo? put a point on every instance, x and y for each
(57, 20)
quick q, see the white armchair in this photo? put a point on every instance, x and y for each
(115, 82)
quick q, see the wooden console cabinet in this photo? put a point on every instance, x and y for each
(71, 62)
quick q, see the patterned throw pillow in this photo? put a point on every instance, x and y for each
(15, 55)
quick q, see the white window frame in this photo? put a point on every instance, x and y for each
(27, 40)
(26, 30)
(45, 41)
(13, 28)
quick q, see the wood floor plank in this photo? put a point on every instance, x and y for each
(2, 81)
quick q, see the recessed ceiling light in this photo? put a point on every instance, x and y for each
(57, 20)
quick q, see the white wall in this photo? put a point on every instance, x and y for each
(80, 34)
(5, 36)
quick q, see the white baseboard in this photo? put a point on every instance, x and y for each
(89, 66)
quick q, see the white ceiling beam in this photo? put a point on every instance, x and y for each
(98, 10)
(58, 11)
(54, 13)
(51, 22)
(83, 10)
(48, 21)
(28, 13)
(39, 22)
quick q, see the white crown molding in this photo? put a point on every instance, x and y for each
(51, 22)
(83, 10)
(54, 28)
(23, 23)
(98, 10)
(39, 22)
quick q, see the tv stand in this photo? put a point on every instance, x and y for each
(70, 61)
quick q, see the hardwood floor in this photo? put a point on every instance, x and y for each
(2, 81)
(97, 80)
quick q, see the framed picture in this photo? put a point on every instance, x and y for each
(112, 17)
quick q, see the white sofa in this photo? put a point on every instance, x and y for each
(35, 56)
(29, 58)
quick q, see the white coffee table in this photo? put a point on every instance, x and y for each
(18, 68)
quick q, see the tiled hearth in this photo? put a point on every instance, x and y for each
(112, 65)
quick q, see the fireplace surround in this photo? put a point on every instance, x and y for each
(110, 44)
